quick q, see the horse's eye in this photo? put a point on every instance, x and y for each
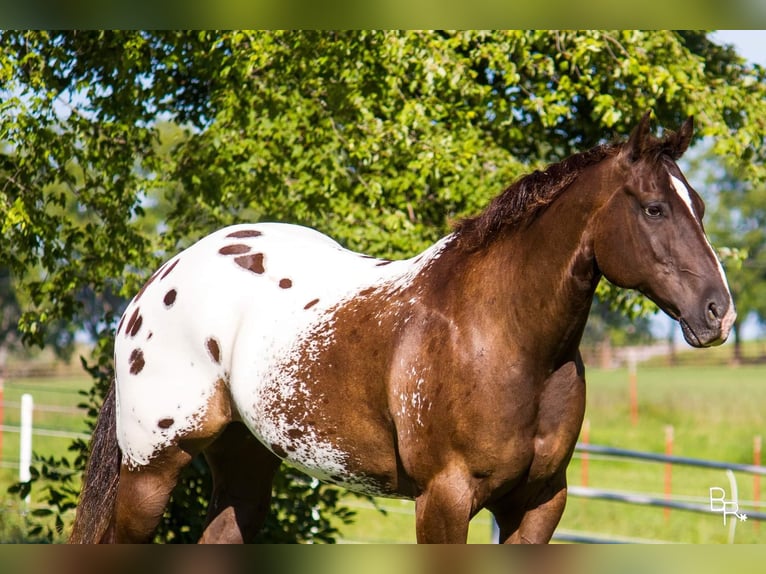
(654, 211)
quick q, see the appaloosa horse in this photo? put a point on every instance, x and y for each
(452, 378)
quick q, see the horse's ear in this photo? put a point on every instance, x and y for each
(637, 138)
(683, 137)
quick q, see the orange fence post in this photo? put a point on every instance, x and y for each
(633, 386)
(757, 441)
(586, 441)
(668, 467)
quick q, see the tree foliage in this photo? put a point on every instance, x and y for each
(119, 148)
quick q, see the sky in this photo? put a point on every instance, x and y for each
(750, 44)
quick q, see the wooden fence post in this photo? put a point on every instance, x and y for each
(586, 441)
(668, 467)
(757, 443)
(633, 386)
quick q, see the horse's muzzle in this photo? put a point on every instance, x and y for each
(713, 327)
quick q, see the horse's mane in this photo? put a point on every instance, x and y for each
(525, 198)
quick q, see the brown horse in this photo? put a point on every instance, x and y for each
(453, 378)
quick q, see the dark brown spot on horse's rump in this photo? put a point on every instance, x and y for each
(169, 269)
(367, 291)
(295, 434)
(278, 450)
(136, 326)
(311, 303)
(149, 336)
(243, 233)
(165, 423)
(136, 361)
(236, 249)
(290, 448)
(285, 283)
(252, 263)
(214, 349)
(170, 298)
(382, 263)
(132, 321)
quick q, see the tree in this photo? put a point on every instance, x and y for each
(380, 139)
(10, 313)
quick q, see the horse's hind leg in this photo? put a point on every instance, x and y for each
(142, 495)
(243, 470)
(143, 491)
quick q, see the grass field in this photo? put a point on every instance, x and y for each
(715, 412)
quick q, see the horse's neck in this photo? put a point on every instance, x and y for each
(545, 275)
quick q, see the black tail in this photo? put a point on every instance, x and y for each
(99, 489)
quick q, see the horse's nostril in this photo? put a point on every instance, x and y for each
(712, 310)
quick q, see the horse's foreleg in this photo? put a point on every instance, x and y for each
(443, 510)
(243, 470)
(536, 523)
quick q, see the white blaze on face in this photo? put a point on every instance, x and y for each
(683, 192)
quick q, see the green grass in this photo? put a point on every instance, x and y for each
(715, 411)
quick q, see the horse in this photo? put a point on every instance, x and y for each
(453, 378)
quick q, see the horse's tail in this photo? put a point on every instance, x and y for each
(99, 489)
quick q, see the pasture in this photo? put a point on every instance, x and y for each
(715, 411)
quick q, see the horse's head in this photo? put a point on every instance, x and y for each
(650, 237)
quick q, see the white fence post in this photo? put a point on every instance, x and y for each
(735, 498)
(25, 458)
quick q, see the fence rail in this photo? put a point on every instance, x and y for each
(583, 450)
(648, 500)
(654, 457)
(46, 432)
